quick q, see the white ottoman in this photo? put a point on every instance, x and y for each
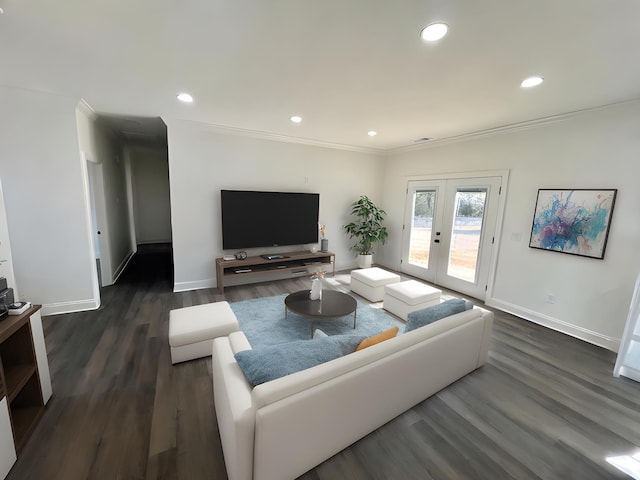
(406, 297)
(192, 329)
(370, 282)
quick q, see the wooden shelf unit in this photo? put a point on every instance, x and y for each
(19, 375)
(290, 265)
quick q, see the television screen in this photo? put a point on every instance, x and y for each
(268, 219)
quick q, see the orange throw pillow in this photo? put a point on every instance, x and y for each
(380, 337)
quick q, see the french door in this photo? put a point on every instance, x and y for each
(449, 232)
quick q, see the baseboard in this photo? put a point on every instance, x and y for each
(153, 242)
(69, 307)
(587, 335)
(122, 266)
(194, 285)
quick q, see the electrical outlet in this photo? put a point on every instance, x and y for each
(551, 298)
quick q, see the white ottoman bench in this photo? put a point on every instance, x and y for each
(370, 282)
(408, 296)
(192, 329)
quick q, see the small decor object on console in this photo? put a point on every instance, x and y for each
(17, 308)
(324, 242)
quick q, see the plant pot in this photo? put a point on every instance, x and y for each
(364, 261)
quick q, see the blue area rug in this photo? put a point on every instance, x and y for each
(262, 321)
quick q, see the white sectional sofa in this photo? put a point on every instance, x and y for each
(282, 428)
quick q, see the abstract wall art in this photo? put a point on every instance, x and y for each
(573, 221)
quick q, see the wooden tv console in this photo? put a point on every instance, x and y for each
(25, 382)
(259, 269)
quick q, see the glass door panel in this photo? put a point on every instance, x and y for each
(471, 211)
(421, 227)
(420, 242)
(465, 235)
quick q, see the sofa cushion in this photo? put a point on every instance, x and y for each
(428, 315)
(380, 337)
(268, 363)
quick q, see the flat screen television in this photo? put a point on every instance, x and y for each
(268, 219)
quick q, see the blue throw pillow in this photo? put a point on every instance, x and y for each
(268, 363)
(428, 315)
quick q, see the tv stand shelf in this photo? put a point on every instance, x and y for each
(20, 374)
(257, 269)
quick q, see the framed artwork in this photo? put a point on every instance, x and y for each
(573, 221)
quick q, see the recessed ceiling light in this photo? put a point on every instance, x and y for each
(185, 97)
(434, 32)
(372, 133)
(296, 119)
(533, 81)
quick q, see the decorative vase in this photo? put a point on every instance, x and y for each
(316, 288)
(364, 261)
(324, 245)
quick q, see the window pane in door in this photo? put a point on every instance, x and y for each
(465, 236)
(421, 223)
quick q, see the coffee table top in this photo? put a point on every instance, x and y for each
(332, 304)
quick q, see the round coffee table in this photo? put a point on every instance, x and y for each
(333, 304)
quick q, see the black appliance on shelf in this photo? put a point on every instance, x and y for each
(6, 298)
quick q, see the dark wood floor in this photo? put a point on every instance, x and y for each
(545, 405)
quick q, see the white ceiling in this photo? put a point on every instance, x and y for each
(345, 66)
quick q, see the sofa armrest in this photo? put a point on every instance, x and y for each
(238, 342)
(487, 315)
(234, 410)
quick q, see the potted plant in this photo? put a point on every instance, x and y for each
(367, 229)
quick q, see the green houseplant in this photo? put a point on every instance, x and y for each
(367, 229)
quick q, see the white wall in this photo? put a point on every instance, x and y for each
(151, 199)
(44, 192)
(202, 162)
(104, 149)
(595, 149)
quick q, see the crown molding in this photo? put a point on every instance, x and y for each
(490, 132)
(507, 129)
(226, 130)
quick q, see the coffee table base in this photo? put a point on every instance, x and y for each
(312, 320)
